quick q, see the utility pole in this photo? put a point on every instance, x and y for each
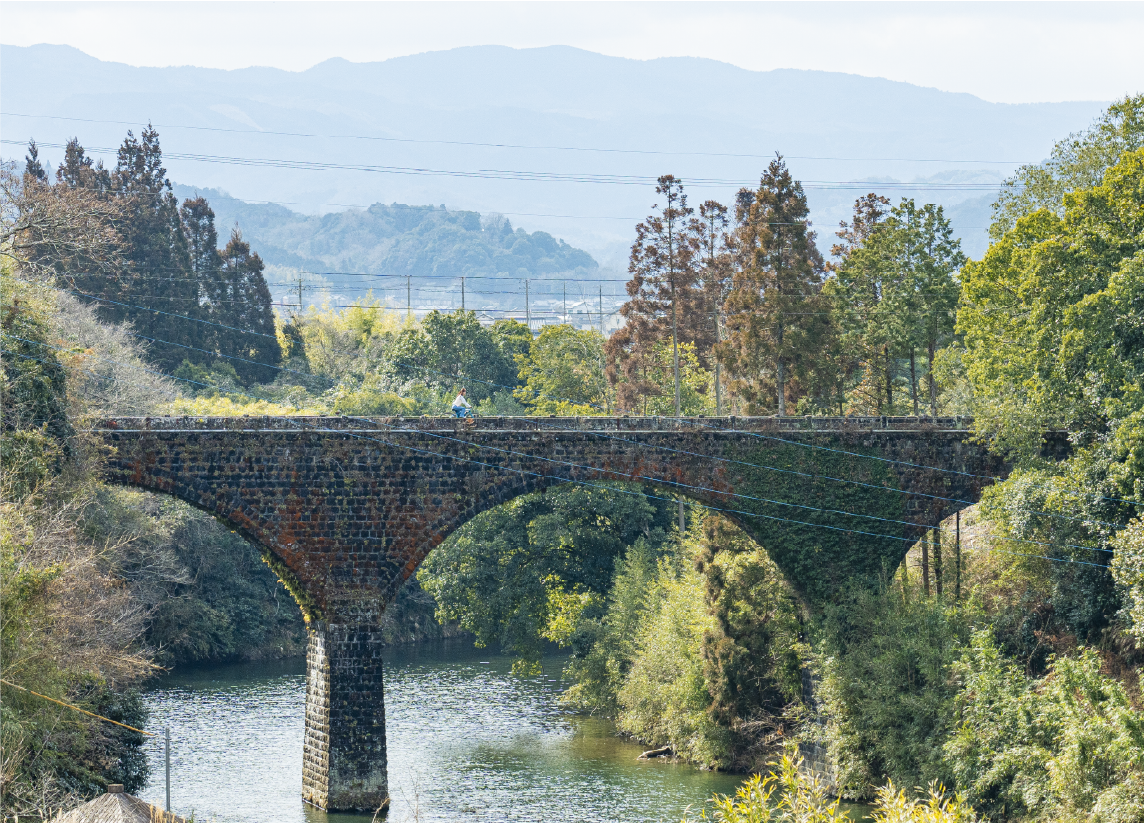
(463, 294)
(528, 317)
(167, 759)
(409, 302)
(299, 291)
(937, 562)
(565, 301)
(600, 296)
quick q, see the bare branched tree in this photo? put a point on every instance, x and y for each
(48, 231)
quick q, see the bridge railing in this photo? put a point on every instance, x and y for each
(585, 423)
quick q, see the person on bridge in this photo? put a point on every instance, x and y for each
(461, 407)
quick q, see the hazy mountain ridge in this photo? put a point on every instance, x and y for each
(387, 112)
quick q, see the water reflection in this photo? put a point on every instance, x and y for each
(466, 741)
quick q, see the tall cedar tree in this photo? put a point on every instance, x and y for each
(160, 274)
(173, 276)
(776, 313)
(233, 296)
(33, 168)
(715, 264)
(246, 307)
(664, 300)
(856, 309)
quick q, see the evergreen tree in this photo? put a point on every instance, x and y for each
(862, 282)
(33, 169)
(79, 172)
(246, 306)
(894, 293)
(776, 313)
(665, 300)
(931, 256)
(715, 263)
(202, 239)
(160, 274)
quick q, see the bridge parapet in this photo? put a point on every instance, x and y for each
(583, 423)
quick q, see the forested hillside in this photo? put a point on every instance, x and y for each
(396, 239)
(999, 665)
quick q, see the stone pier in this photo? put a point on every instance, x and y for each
(344, 754)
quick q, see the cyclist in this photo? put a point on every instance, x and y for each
(461, 407)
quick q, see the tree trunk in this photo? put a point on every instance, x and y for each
(958, 556)
(890, 384)
(913, 383)
(781, 375)
(930, 379)
(716, 359)
(781, 379)
(675, 354)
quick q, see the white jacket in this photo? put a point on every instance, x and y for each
(460, 401)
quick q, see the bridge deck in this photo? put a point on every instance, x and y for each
(551, 423)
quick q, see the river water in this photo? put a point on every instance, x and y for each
(467, 741)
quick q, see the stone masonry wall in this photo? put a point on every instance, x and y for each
(344, 751)
(346, 510)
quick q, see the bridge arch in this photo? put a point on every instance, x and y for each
(346, 510)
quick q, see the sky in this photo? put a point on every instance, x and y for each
(1014, 52)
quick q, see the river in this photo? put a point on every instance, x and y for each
(467, 741)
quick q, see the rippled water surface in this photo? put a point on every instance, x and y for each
(467, 742)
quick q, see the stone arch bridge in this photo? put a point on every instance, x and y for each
(344, 510)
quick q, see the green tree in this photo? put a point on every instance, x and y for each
(246, 307)
(751, 663)
(777, 319)
(447, 349)
(1077, 162)
(933, 255)
(1052, 321)
(886, 691)
(1067, 747)
(563, 373)
(33, 168)
(501, 575)
(716, 263)
(159, 276)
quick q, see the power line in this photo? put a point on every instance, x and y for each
(544, 476)
(502, 145)
(524, 176)
(771, 437)
(669, 449)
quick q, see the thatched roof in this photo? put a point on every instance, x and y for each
(118, 806)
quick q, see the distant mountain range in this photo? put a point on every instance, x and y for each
(556, 139)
